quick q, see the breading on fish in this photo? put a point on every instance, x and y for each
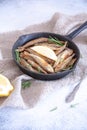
(43, 56)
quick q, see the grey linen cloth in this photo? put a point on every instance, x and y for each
(43, 105)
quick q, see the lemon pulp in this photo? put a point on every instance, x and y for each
(5, 86)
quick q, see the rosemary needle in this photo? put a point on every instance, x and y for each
(26, 84)
(55, 40)
(17, 55)
(73, 105)
(53, 109)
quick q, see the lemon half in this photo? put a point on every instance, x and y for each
(45, 51)
(5, 86)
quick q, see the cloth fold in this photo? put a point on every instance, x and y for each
(45, 100)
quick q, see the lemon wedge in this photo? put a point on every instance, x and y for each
(45, 51)
(5, 86)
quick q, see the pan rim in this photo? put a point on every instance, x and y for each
(41, 74)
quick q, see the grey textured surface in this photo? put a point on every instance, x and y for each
(17, 14)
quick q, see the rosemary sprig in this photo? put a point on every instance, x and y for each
(53, 109)
(17, 55)
(26, 84)
(68, 68)
(55, 40)
(39, 70)
(73, 105)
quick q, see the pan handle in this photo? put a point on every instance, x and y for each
(77, 31)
